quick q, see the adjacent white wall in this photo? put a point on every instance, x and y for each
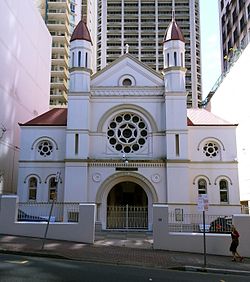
(217, 244)
(25, 56)
(83, 231)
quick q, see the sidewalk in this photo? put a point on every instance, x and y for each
(127, 249)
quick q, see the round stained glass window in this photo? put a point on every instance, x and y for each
(211, 149)
(127, 133)
(45, 148)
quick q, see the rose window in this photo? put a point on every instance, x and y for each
(211, 149)
(45, 148)
(127, 133)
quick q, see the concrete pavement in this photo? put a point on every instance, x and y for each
(127, 248)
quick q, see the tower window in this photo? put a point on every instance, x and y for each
(86, 60)
(177, 145)
(79, 58)
(76, 143)
(175, 58)
(73, 59)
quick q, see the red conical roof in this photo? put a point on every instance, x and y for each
(81, 32)
(173, 32)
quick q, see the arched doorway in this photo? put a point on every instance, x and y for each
(127, 206)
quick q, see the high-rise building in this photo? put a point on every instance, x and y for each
(235, 28)
(25, 56)
(60, 18)
(141, 24)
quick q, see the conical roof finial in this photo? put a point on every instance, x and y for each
(173, 10)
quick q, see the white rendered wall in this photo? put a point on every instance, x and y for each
(25, 53)
(231, 102)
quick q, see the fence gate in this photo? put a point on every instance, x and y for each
(127, 217)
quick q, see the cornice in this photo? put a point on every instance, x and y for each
(128, 91)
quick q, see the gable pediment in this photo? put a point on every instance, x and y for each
(127, 68)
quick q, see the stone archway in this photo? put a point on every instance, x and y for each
(127, 207)
(133, 178)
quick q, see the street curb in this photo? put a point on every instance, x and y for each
(33, 254)
(212, 270)
(126, 263)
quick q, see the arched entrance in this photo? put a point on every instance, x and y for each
(127, 206)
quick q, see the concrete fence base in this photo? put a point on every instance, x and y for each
(82, 231)
(217, 244)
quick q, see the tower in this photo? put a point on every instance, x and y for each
(78, 116)
(175, 91)
(78, 97)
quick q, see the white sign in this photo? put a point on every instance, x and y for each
(202, 202)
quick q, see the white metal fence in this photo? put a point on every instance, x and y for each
(39, 211)
(180, 222)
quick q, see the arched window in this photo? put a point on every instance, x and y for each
(73, 59)
(86, 60)
(175, 58)
(202, 186)
(167, 59)
(223, 191)
(182, 60)
(52, 189)
(32, 189)
(79, 58)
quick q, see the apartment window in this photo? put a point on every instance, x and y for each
(202, 186)
(52, 189)
(32, 189)
(223, 191)
(167, 59)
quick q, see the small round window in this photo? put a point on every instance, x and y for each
(127, 82)
(45, 148)
(211, 149)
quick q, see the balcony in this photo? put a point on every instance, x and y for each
(58, 99)
(59, 84)
(59, 16)
(61, 39)
(59, 4)
(59, 72)
(58, 26)
(60, 62)
(63, 50)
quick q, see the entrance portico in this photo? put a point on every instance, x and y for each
(130, 194)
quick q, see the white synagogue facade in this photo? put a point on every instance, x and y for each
(127, 141)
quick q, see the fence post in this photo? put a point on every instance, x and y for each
(127, 216)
